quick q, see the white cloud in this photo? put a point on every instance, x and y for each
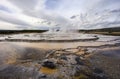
(8, 26)
(11, 19)
(50, 13)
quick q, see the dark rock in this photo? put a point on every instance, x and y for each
(49, 64)
(99, 76)
(63, 57)
(42, 76)
(78, 60)
(95, 36)
(97, 70)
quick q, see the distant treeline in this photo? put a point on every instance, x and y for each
(21, 31)
(112, 29)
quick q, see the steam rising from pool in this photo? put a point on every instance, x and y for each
(53, 35)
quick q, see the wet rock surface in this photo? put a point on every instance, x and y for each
(70, 63)
(109, 63)
(49, 64)
(19, 72)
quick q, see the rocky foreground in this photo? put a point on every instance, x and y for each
(18, 62)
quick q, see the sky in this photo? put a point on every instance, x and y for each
(65, 14)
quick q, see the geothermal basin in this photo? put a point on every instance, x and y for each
(24, 56)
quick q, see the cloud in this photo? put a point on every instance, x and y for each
(5, 25)
(11, 19)
(60, 13)
(25, 4)
(35, 8)
(50, 18)
(106, 18)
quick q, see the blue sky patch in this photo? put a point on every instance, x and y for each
(3, 8)
(52, 4)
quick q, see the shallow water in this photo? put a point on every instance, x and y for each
(112, 53)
